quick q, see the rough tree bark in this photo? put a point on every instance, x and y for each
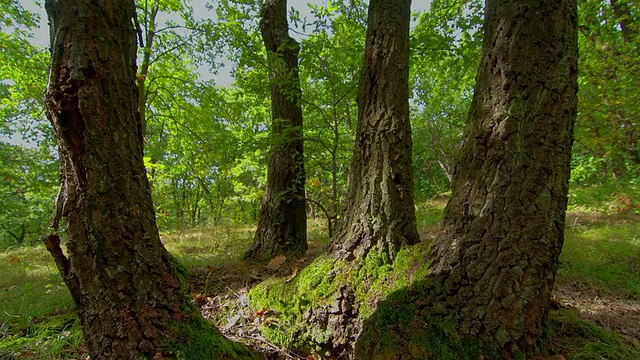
(379, 210)
(495, 258)
(127, 292)
(282, 222)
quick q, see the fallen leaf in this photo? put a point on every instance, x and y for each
(293, 274)
(199, 299)
(276, 262)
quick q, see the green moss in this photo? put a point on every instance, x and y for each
(394, 325)
(318, 285)
(200, 340)
(314, 285)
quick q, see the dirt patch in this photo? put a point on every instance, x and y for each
(622, 316)
(577, 218)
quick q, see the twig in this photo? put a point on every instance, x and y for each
(241, 300)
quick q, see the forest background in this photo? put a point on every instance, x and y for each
(206, 143)
(207, 139)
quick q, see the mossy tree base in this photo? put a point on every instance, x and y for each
(405, 327)
(323, 308)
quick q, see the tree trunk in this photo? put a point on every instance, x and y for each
(379, 210)
(282, 222)
(128, 295)
(503, 229)
(495, 258)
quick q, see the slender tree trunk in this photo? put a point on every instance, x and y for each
(149, 23)
(282, 222)
(379, 210)
(128, 295)
(495, 259)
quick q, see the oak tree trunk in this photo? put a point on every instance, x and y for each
(127, 292)
(495, 258)
(503, 229)
(282, 222)
(379, 211)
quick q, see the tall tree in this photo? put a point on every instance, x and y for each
(282, 222)
(495, 258)
(128, 294)
(380, 210)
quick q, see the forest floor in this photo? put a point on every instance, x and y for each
(596, 311)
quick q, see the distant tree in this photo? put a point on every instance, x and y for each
(331, 59)
(128, 293)
(379, 214)
(446, 48)
(495, 258)
(282, 222)
(607, 127)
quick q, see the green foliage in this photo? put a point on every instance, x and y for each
(28, 170)
(23, 69)
(607, 129)
(27, 186)
(331, 59)
(446, 44)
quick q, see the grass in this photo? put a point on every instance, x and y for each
(600, 260)
(603, 256)
(36, 319)
(30, 288)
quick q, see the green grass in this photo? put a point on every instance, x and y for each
(208, 246)
(604, 256)
(606, 199)
(36, 319)
(30, 288)
(583, 340)
(52, 337)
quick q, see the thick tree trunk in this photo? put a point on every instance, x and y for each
(503, 229)
(495, 259)
(128, 295)
(379, 210)
(282, 223)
